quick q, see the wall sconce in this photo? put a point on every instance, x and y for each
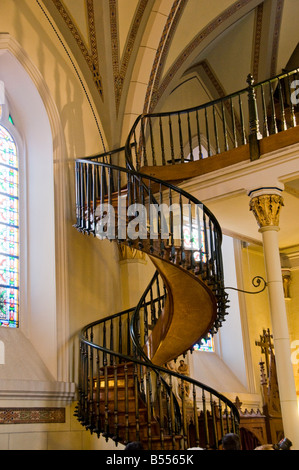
(286, 280)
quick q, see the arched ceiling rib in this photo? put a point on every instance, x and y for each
(228, 38)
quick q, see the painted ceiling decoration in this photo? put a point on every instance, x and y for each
(159, 88)
(278, 17)
(90, 54)
(169, 28)
(120, 66)
(257, 41)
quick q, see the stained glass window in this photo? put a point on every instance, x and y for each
(206, 344)
(195, 242)
(9, 231)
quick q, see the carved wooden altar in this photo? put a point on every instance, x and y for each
(263, 426)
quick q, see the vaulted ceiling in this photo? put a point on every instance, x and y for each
(132, 54)
(140, 56)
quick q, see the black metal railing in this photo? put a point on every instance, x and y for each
(123, 396)
(257, 111)
(108, 198)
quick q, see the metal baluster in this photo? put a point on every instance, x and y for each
(128, 335)
(274, 124)
(212, 260)
(195, 414)
(282, 110)
(98, 415)
(221, 417)
(145, 321)
(172, 413)
(161, 414)
(127, 435)
(162, 142)
(152, 143)
(115, 437)
(190, 138)
(77, 174)
(206, 250)
(160, 225)
(228, 429)
(191, 265)
(205, 419)
(94, 198)
(137, 154)
(82, 201)
(159, 299)
(181, 138)
(215, 434)
(207, 133)
(106, 387)
(184, 414)
(171, 141)
(224, 127)
(149, 408)
(111, 341)
(293, 117)
(172, 250)
(198, 135)
(143, 144)
(182, 258)
(91, 383)
(265, 116)
(243, 133)
(232, 110)
(199, 239)
(136, 396)
(216, 130)
(153, 310)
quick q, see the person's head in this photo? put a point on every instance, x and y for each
(135, 445)
(231, 441)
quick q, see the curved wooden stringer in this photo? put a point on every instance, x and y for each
(127, 388)
(127, 392)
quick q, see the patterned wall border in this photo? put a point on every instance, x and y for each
(257, 40)
(120, 69)
(91, 57)
(168, 31)
(32, 415)
(276, 33)
(158, 89)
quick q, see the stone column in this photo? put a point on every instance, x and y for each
(266, 204)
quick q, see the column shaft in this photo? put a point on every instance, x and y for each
(266, 208)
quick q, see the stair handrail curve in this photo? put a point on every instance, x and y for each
(212, 248)
(88, 407)
(83, 224)
(135, 335)
(239, 125)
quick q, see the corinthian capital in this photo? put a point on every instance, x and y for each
(266, 209)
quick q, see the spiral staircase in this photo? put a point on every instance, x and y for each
(128, 390)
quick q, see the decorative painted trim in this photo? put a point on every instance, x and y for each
(91, 58)
(120, 68)
(76, 71)
(213, 79)
(257, 40)
(32, 415)
(158, 90)
(276, 33)
(168, 31)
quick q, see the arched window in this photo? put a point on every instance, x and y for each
(9, 226)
